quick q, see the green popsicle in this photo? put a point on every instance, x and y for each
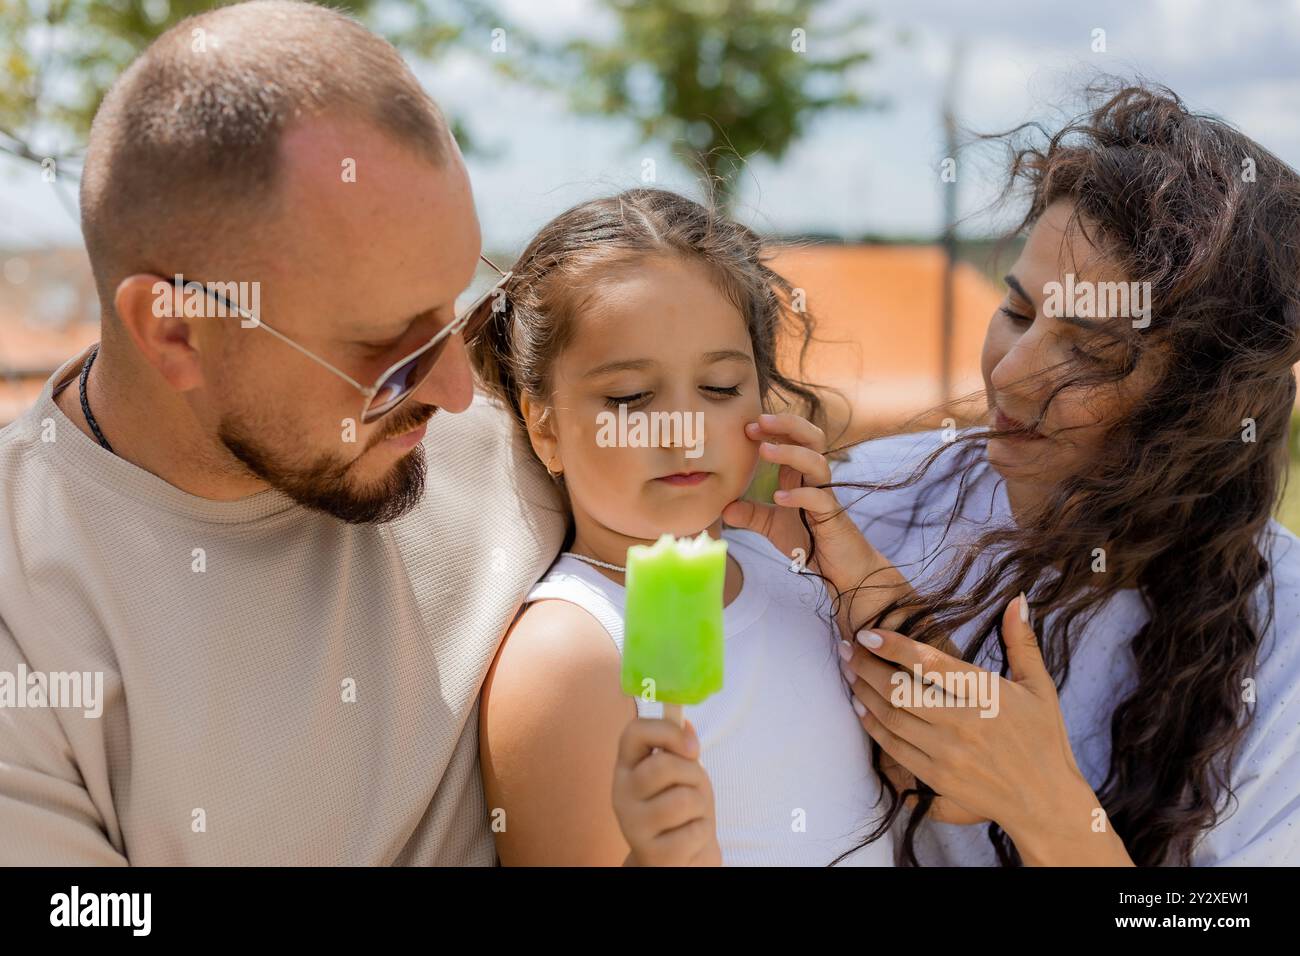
(672, 646)
(766, 480)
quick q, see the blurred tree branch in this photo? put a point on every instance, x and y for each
(722, 80)
(61, 56)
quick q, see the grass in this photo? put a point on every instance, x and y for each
(1289, 512)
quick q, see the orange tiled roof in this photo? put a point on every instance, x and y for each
(878, 312)
(877, 309)
(16, 397)
(48, 313)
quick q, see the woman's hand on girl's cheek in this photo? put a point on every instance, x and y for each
(798, 446)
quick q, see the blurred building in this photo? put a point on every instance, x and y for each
(48, 313)
(879, 320)
(877, 307)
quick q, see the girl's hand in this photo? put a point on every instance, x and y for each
(799, 446)
(663, 798)
(1014, 766)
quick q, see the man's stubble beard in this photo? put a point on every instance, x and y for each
(324, 485)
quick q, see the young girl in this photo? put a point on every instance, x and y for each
(650, 302)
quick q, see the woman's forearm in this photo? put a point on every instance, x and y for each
(868, 583)
(1075, 832)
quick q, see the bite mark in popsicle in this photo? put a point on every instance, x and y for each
(673, 638)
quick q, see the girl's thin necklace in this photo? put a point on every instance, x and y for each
(599, 564)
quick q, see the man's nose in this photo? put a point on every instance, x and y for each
(451, 383)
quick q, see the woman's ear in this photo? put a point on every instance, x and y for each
(539, 419)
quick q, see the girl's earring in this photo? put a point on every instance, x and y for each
(553, 474)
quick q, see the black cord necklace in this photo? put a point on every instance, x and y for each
(85, 403)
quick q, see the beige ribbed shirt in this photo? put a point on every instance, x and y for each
(278, 687)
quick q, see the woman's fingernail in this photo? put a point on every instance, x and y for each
(846, 650)
(780, 496)
(1024, 609)
(858, 708)
(870, 639)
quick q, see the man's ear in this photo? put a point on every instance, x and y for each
(539, 418)
(152, 310)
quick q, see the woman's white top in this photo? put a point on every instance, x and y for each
(787, 757)
(1264, 827)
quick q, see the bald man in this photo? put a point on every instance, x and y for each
(258, 546)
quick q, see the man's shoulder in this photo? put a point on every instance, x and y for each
(486, 424)
(33, 525)
(486, 450)
(36, 423)
(16, 438)
(484, 482)
(26, 468)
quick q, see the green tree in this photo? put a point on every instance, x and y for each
(61, 56)
(722, 80)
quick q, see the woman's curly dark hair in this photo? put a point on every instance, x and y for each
(1177, 496)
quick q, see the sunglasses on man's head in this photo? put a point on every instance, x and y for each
(405, 375)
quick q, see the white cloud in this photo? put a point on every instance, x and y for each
(853, 173)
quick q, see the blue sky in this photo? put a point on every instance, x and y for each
(853, 173)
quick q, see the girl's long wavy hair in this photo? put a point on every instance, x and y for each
(1181, 491)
